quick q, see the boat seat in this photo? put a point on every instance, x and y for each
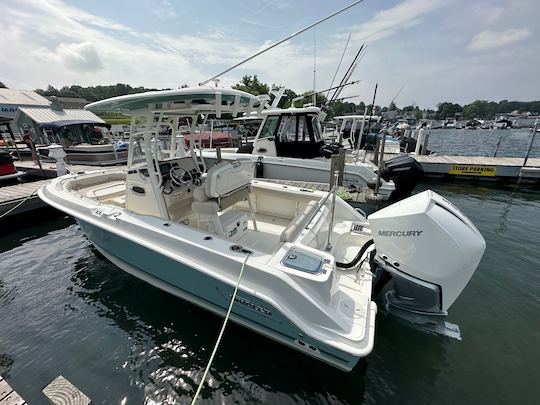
(225, 184)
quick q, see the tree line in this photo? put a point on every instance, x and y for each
(478, 109)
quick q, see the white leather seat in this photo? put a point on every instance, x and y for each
(226, 184)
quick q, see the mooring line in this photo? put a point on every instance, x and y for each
(225, 321)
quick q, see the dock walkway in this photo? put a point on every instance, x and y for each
(8, 396)
(477, 167)
(10, 196)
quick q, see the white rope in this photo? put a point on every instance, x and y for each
(19, 204)
(233, 297)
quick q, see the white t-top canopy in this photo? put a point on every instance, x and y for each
(187, 101)
(356, 117)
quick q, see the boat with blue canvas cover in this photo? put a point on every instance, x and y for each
(186, 227)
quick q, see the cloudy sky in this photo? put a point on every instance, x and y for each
(436, 50)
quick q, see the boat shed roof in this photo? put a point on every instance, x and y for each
(12, 99)
(48, 116)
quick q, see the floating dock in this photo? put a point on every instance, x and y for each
(10, 196)
(49, 169)
(508, 169)
(8, 396)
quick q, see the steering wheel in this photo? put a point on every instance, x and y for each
(180, 176)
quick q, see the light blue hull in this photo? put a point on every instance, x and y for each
(190, 284)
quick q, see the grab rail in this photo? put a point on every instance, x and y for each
(307, 217)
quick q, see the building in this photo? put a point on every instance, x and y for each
(11, 100)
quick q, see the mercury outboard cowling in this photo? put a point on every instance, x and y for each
(430, 250)
(405, 172)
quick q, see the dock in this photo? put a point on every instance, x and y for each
(10, 196)
(48, 170)
(509, 169)
(8, 396)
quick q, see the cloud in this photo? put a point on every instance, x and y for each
(82, 57)
(164, 10)
(386, 22)
(489, 39)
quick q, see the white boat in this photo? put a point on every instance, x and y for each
(311, 258)
(289, 146)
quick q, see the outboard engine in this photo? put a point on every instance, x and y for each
(405, 172)
(430, 250)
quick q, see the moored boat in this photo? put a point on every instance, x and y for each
(187, 227)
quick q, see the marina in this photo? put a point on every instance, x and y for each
(267, 218)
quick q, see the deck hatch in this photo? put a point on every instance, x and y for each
(303, 261)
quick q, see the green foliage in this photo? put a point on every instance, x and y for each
(93, 93)
(448, 110)
(251, 84)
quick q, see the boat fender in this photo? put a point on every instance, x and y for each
(357, 258)
(259, 168)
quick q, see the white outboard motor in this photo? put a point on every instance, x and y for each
(430, 249)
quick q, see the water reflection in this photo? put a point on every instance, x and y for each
(171, 342)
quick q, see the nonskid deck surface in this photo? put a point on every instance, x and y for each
(267, 236)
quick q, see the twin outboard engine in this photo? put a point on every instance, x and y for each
(405, 172)
(428, 248)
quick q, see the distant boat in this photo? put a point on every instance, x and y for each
(502, 123)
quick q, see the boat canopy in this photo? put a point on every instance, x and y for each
(188, 101)
(356, 117)
(291, 111)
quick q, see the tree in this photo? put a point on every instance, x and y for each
(251, 84)
(448, 110)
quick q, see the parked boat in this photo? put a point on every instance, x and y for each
(289, 146)
(8, 170)
(313, 259)
(80, 132)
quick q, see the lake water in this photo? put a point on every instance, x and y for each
(66, 310)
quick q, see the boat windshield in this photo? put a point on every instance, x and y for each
(317, 131)
(160, 150)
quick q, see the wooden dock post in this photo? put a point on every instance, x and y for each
(61, 392)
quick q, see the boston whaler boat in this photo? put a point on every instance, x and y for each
(312, 259)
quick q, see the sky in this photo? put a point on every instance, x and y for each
(423, 51)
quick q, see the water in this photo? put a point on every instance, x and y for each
(66, 310)
(483, 142)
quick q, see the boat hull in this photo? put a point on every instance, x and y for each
(186, 282)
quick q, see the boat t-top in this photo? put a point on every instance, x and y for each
(187, 227)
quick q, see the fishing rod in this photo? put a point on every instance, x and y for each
(346, 98)
(339, 64)
(372, 107)
(314, 93)
(282, 40)
(349, 71)
(397, 94)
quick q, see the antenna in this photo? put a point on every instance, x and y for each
(314, 99)
(283, 40)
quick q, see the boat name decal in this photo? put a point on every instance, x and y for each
(400, 233)
(253, 306)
